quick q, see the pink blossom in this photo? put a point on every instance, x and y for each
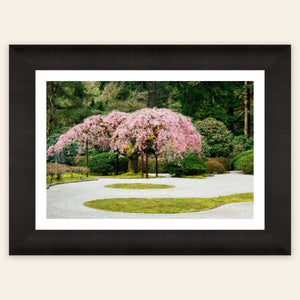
(168, 133)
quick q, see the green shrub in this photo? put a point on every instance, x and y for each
(245, 163)
(123, 164)
(191, 164)
(94, 151)
(217, 139)
(225, 161)
(205, 148)
(214, 167)
(241, 143)
(236, 158)
(104, 163)
(237, 149)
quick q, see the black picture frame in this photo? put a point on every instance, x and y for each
(24, 60)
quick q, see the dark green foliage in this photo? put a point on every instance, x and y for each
(241, 143)
(69, 153)
(104, 163)
(191, 164)
(214, 167)
(94, 151)
(69, 102)
(220, 100)
(161, 165)
(245, 163)
(205, 148)
(217, 138)
(233, 162)
(52, 139)
(123, 164)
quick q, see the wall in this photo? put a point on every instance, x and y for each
(172, 22)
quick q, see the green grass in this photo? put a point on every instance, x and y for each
(66, 178)
(139, 186)
(77, 177)
(128, 175)
(203, 176)
(166, 205)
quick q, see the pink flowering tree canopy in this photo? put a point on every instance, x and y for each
(96, 130)
(113, 120)
(92, 131)
(163, 131)
(168, 133)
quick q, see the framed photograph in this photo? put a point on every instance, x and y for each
(150, 149)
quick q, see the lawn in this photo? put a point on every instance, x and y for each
(166, 205)
(65, 178)
(78, 177)
(203, 176)
(139, 186)
(128, 175)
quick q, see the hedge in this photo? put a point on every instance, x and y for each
(104, 163)
(214, 167)
(192, 164)
(225, 161)
(236, 158)
(245, 163)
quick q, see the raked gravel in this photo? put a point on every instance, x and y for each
(65, 201)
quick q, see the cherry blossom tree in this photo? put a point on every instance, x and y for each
(91, 132)
(158, 130)
(112, 122)
(95, 131)
(165, 132)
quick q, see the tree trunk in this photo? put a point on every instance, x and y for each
(153, 94)
(147, 161)
(142, 164)
(51, 108)
(231, 113)
(117, 164)
(156, 166)
(246, 111)
(133, 165)
(87, 156)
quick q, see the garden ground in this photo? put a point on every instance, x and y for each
(65, 201)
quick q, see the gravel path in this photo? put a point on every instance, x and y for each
(65, 201)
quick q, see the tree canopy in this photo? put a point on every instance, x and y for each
(70, 103)
(165, 132)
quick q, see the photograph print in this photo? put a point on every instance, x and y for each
(150, 154)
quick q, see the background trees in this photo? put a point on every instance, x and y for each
(69, 103)
(85, 116)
